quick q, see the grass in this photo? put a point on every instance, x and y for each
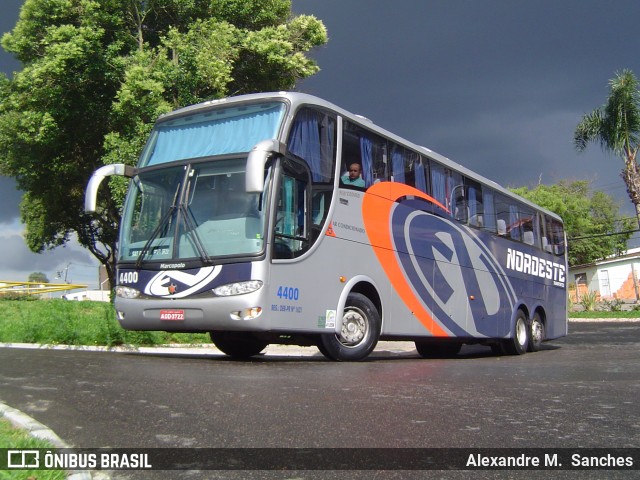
(64, 322)
(604, 314)
(12, 437)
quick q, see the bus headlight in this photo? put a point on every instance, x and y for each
(237, 288)
(127, 292)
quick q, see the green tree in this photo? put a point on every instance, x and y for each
(97, 73)
(38, 277)
(593, 215)
(616, 127)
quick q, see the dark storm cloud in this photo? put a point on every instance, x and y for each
(17, 261)
(10, 9)
(496, 85)
(10, 197)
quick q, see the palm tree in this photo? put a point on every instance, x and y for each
(616, 127)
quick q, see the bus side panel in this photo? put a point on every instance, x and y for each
(304, 293)
(538, 279)
(442, 271)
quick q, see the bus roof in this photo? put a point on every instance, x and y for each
(296, 99)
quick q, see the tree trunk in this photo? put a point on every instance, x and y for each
(631, 177)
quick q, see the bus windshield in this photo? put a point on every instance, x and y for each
(214, 132)
(193, 211)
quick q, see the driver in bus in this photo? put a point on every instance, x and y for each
(353, 177)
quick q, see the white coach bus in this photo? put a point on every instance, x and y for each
(281, 218)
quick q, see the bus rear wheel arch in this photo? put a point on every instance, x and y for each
(359, 331)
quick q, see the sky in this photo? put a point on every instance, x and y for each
(496, 85)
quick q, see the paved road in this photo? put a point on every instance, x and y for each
(580, 391)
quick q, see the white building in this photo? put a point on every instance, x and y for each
(612, 278)
(95, 295)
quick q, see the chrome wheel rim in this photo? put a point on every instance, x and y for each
(355, 327)
(536, 332)
(521, 332)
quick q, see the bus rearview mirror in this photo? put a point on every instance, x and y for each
(256, 161)
(91, 195)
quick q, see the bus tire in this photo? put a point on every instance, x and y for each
(519, 344)
(359, 334)
(537, 334)
(237, 344)
(437, 348)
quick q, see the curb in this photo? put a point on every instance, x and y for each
(209, 349)
(38, 430)
(604, 320)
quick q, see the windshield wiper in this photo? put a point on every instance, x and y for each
(161, 224)
(154, 235)
(190, 224)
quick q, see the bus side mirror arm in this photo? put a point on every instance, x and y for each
(256, 161)
(90, 196)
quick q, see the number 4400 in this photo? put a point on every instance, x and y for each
(288, 293)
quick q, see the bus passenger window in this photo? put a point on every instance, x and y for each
(529, 224)
(368, 150)
(291, 229)
(504, 216)
(554, 237)
(312, 138)
(422, 175)
(404, 166)
(489, 216)
(475, 204)
(460, 209)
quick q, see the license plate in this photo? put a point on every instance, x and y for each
(171, 314)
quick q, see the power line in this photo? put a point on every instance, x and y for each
(604, 234)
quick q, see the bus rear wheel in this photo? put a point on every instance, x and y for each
(238, 344)
(519, 344)
(537, 333)
(359, 332)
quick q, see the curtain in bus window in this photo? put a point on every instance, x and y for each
(489, 210)
(397, 163)
(311, 138)
(366, 155)
(214, 137)
(421, 179)
(514, 227)
(472, 203)
(327, 149)
(438, 182)
(453, 180)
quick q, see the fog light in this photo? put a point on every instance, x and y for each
(127, 292)
(120, 315)
(246, 314)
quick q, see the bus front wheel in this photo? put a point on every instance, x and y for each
(237, 344)
(519, 344)
(359, 331)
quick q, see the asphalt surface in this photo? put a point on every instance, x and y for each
(579, 391)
